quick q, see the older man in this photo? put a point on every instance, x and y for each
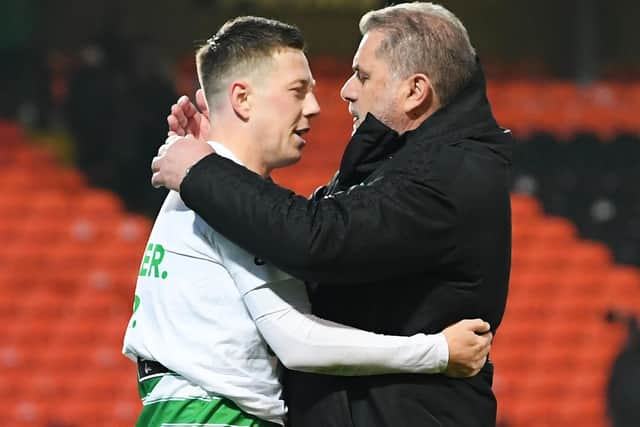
(412, 233)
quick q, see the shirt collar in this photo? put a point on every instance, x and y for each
(225, 152)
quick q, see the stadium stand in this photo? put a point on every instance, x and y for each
(69, 256)
(588, 180)
(554, 350)
(68, 263)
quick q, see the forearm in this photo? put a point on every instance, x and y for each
(305, 342)
(241, 205)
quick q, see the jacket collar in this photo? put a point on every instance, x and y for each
(371, 144)
(467, 115)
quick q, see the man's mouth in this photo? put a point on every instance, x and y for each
(356, 120)
(356, 116)
(301, 132)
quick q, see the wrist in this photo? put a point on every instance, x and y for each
(442, 349)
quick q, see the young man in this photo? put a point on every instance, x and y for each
(202, 359)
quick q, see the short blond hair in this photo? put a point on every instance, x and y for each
(241, 45)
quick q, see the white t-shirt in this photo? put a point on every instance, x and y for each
(197, 297)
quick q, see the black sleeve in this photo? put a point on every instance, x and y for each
(394, 227)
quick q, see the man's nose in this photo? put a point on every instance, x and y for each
(312, 107)
(348, 91)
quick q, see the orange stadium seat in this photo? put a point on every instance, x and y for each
(540, 256)
(125, 410)
(70, 254)
(557, 230)
(560, 291)
(134, 229)
(540, 409)
(24, 259)
(108, 356)
(98, 386)
(46, 303)
(14, 205)
(119, 256)
(27, 412)
(623, 281)
(98, 204)
(518, 333)
(51, 386)
(588, 280)
(69, 412)
(576, 304)
(70, 181)
(10, 231)
(583, 410)
(82, 231)
(79, 332)
(62, 359)
(528, 306)
(587, 381)
(589, 255)
(44, 229)
(51, 204)
(29, 156)
(9, 307)
(16, 179)
(532, 282)
(14, 383)
(551, 383)
(93, 304)
(566, 321)
(28, 331)
(11, 133)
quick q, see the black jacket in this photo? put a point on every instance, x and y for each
(412, 235)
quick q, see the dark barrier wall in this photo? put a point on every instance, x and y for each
(570, 36)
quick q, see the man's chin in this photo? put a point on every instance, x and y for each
(290, 160)
(295, 159)
(355, 126)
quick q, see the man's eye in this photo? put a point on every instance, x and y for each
(299, 92)
(361, 76)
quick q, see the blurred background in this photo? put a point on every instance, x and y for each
(85, 87)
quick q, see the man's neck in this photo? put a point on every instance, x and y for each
(242, 148)
(415, 123)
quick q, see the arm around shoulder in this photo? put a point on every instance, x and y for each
(374, 232)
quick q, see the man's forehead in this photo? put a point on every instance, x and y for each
(368, 47)
(297, 69)
(293, 56)
(289, 54)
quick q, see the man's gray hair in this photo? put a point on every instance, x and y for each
(424, 38)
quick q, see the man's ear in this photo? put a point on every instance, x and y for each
(419, 94)
(201, 102)
(239, 96)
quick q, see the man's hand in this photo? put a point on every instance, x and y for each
(185, 119)
(174, 158)
(469, 344)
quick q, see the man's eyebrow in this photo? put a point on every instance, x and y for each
(303, 82)
(356, 68)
